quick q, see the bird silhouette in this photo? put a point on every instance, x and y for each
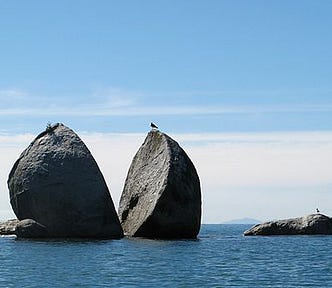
(153, 126)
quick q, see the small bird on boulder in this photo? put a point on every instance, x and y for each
(153, 126)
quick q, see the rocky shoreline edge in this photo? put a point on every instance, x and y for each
(8, 227)
(313, 224)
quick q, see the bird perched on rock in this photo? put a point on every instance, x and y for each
(153, 126)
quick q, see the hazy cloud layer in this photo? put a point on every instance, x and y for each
(260, 175)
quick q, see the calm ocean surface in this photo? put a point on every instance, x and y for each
(221, 257)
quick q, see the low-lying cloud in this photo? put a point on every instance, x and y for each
(260, 175)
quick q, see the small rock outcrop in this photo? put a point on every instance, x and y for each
(162, 196)
(57, 183)
(308, 225)
(8, 227)
(29, 228)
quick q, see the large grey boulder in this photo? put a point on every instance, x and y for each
(162, 196)
(307, 225)
(57, 183)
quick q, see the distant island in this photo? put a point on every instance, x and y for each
(243, 221)
(314, 224)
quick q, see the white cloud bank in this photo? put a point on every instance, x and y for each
(259, 175)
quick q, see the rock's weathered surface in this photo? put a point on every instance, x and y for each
(29, 228)
(162, 195)
(8, 227)
(307, 225)
(57, 183)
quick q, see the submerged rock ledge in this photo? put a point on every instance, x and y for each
(313, 224)
(8, 227)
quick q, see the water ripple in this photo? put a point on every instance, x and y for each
(221, 257)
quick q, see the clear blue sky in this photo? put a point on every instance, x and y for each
(244, 86)
(187, 65)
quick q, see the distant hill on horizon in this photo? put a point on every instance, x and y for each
(243, 221)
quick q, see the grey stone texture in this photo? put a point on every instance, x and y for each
(57, 183)
(308, 225)
(8, 227)
(29, 228)
(162, 196)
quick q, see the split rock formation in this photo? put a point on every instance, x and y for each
(161, 198)
(56, 183)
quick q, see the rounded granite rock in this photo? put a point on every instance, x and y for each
(57, 183)
(162, 196)
(308, 225)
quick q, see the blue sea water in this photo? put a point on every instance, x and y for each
(221, 257)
